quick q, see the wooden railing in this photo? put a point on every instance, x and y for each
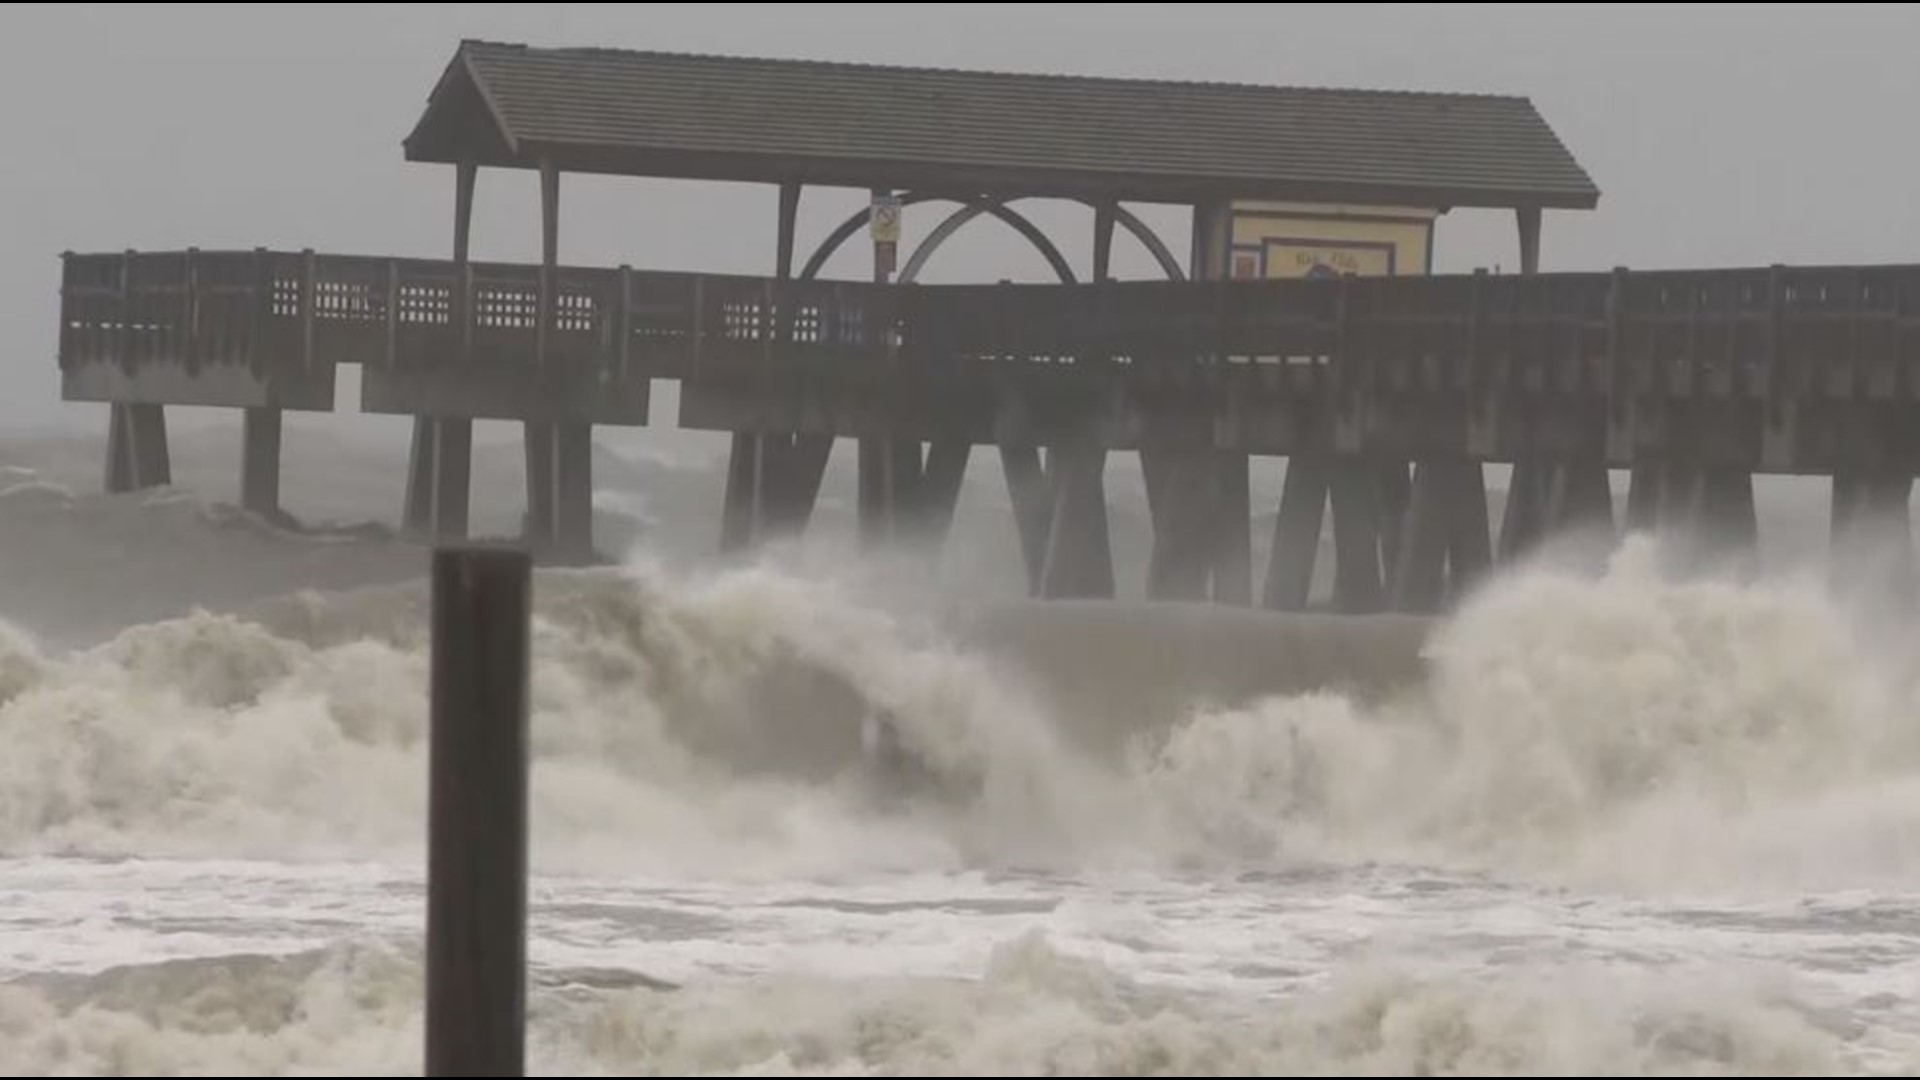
(1763, 333)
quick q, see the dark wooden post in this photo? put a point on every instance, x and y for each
(549, 256)
(879, 485)
(477, 813)
(1528, 218)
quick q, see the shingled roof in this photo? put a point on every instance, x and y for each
(726, 118)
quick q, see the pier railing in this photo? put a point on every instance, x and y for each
(1763, 333)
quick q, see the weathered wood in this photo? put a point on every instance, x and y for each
(802, 465)
(1396, 493)
(1418, 579)
(1523, 522)
(1296, 534)
(1871, 546)
(890, 470)
(572, 540)
(121, 471)
(785, 226)
(946, 470)
(1079, 557)
(260, 461)
(559, 490)
(416, 516)
(537, 442)
(1469, 537)
(544, 328)
(1358, 588)
(1801, 370)
(452, 476)
(740, 506)
(477, 813)
(773, 479)
(137, 452)
(1732, 525)
(1029, 489)
(1185, 491)
(1528, 219)
(1232, 524)
(1643, 496)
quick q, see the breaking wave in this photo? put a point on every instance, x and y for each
(1630, 727)
(1626, 732)
(1032, 1010)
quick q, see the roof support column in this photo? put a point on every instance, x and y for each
(549, 254)
(1528, 218)
(559, 452)
(438, 476)
(537, 436)
(1232, 513)
(889, 466)
(773, 478)
(1078, 560)
(797, 461)
(1584, 487)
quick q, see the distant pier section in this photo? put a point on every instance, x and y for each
(1303, 323)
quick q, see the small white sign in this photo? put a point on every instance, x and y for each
(885, 219)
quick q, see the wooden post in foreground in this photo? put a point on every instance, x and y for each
(477, 813)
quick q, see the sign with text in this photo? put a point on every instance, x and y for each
(1288, 258)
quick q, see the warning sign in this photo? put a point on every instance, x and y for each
(884, 221)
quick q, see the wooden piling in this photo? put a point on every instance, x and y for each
(477, 813)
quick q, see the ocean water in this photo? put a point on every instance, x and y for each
(1617, 824)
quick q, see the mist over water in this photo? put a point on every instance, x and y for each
(1615, 822)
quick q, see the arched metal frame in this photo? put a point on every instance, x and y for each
(910, 269)
(973, 208)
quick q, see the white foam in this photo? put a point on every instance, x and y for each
(1631, 730)
(1030, 1009)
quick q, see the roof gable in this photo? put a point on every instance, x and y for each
(671, 114)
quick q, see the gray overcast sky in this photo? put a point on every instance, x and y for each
(1722, 134)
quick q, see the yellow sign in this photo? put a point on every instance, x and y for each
(1295, 240)
(1315, 259)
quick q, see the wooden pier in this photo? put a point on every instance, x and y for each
(1387, 390)
(1387, 396)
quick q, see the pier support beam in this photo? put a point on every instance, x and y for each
(941, 477)
(137, 455)
(1445, 548)
(908, 491)
(1546, 499)
(1079, 556)
(1296, 533)
(1704, 515)
(1197, 497)
(773, 482)
(1368, 499)
(773, 478)
(260, 461)
(1871, 551)
(440, 463)
(439, 477)
(1233, 522)
(1359, 521)
(559, 458)
(888, 471)
(1399, 543)
(1031, 493)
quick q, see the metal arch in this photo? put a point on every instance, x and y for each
(972, 209)
(844, 232)
(1123, 217)
(1020, 223)
(1149, 239)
